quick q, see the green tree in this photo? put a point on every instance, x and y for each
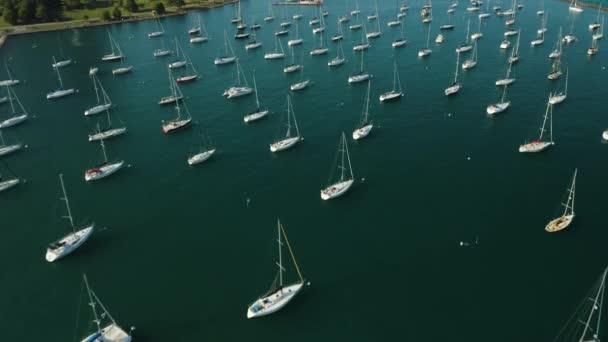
(106, 15)
(10, 13)
(132, 6)
(42, 12)
(117, 14)
(180, 3)
(27, 11)
(159, 8)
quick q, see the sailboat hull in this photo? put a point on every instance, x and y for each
(107, 134)
(235, 92)
(390, 96)
(111, 58)
(535, 146)
(161, 53)
(291, 68)
(187, 79)
(497, 108)
(299, 86)
(453, 90)
(336, 62)
(255, 116)
(102, 171)
(295, 42)
(174, 125)
(178, 64)
(13, 121)
(336, 190)
(557, 99)
(111, 333)
(97, 109)
(359, 78)
(274, 55)
(559, 223)
(59, 93)
(198, 40)
(4, 150)
(5, 185)
(68, 243)
(274, 302)
(200, 157)
(362, 132)
(122, 71)
(284, 144)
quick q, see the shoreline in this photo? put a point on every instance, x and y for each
(95, 22)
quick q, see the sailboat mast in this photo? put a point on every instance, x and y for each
(542, 129)
(350, 167)
(293, 257)
(94, 78)
(103, 149)
(550, 122)
(58, 74)
(255, 87)
(67, 202)
(457, 64)
(280, 254)
(566, 88)
(92, 303)
(288, 134)
(600, 291)
(295, 122)
(10, 98)
(366, 111)
(343, 143)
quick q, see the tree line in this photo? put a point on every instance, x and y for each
(29, 11)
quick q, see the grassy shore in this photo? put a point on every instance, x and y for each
(93, 17)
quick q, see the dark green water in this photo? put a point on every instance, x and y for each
(183, 254)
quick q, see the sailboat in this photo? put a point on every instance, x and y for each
(10, 81)
(104, 169)
(292, 67)
(477, 34)
(339, 59)
(122, 69)
(426, 51)
(160, 30)
(112, 332)
(322, 49)
(514, 58)
(365, 125)
(346, 180)
(466, 46)
(360, 76)
(593, 50)
(574, 7)
(557, 52)
(178, 122)
(61, 64)
(540, 144)
(507, 80)
(73, 240)
(338, 36)
(321, 27)
(6, 184)
(238, 90)
(277, 297)
(202, 154)
(14, 117)
(237, 13)
(103, 102)
(448, 26)
(195, 30)
(278, 52)
(378, 32)
(108, 132)
(302, 84)
(116, 53)
(505, 44)
(599, 35)
(401, 41)
(556, 71)
(288, 140)
(174, 97)
(428, 15)
(539, 41)
(485, 14)
(226, 59)
(297, 40)
(396, 93)
(454, 88)
(472, 62)
(356, 11)
(364, 44)
(241, 32)
(558, 98)
(259, 112)
(162, 51)
(181, 59)
(7, 149)
(497, 108)
(202, 35)
(374, 15)
(355, 14)
(270, 16)
(543, 25)
(253, 43)
(565, 220)
(190, 74)
(61, 92)
(570, 37)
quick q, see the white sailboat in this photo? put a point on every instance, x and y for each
(505, 44)
(346, 180)
(361, 75)
(426, 51)
(472, 62)
(574, 7)
(485, 14)
(508, 80)
(226, 58)
(178, 122)
(593, 50)
(556, 69)
(322, 49)
(270, 16)
(202, 35)
(396, 93)
(190, 74)
(477, 34)
(514, 58)
(253, 44)
(292, 67)
(7, 149)
(180, 60)
(160, 30)
(542, 142)
(543, 25)
(365, 125)
(599, 35)
(9, 81)
(278, 296)
(174, 97)
(104, 169)
(338, 36)
(278, 52)
(77, 236)
(364, 44)
(112, 332)
(321, 27)
(7, 183)
(122, 69)
(116, 53)
(289, 140)
(427, 15)
(497, 108)
(103, 102)
(539, 41)
(259, 112)
(297, 40)
(16, 115)
(570, 37)
(61, 64)
(454, 88)
(467, 45)
(374, 15)
(557, 52)
(356, 11)
(302, 84)
(196, 30)
(565, 220)
(238, 90)
(378, 32)
(60, 92)
(339, 59)
(557, 98)
(162, 51)
(401, 41)
(203, 153)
